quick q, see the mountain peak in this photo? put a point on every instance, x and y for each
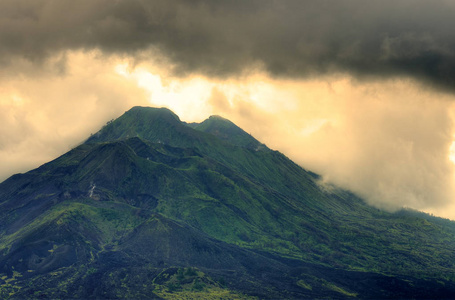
(153, 124)
(229, 132)
(153, 112)
(219, 118)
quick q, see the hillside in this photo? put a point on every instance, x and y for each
(153, 207)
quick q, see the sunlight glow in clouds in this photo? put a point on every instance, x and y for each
(187, 98)
(452, 153)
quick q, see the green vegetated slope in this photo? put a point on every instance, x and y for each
(153, 207)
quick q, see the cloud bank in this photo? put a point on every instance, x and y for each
(225, 38)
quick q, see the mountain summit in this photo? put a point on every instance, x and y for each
(152, 207)
(229, 132)
(152, 124)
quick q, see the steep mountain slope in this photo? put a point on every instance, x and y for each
(150, 206)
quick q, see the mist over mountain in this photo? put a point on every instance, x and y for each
(152, 207)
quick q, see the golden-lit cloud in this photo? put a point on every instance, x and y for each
(46, 116)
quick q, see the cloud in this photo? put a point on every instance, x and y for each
(287, 38)
(45, 117)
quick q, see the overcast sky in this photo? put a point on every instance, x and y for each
(361, 92)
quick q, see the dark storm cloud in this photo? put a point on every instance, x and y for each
(223, 38)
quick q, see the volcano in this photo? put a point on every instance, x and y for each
(153, 207)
